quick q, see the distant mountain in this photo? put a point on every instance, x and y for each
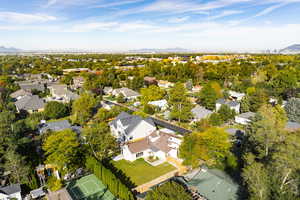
(9, 49)
(293, 49)
(169, 50)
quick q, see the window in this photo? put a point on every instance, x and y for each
(140, 154)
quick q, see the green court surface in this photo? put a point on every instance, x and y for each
(89, 188)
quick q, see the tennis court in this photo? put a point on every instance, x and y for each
(89, 188)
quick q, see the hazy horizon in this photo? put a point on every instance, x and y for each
(102, 25)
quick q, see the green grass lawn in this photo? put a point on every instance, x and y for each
(141, 172)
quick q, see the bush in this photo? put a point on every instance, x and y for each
(56, 110)
(54, 184)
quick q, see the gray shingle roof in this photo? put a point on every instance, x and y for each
(11, 189)
(131, 121)
(31, 86)
(30, 103)
(292, 125)
(247, 115)
(200, 112)
(127, 92)
(58, 126)
(19, 93)
(229, 103)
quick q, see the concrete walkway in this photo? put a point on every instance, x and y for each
(145, 187)
(178, 164)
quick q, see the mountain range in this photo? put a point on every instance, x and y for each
(293, 49)
(9, 49)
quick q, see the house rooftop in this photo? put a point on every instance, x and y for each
(30, 103)
(10, 189)
(292, 125)
(229, 103)
(58, 126)
(130, 121)
(247, 115)
(19, 93)
(200, 112)
(214, 185)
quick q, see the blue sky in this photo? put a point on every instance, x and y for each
(207, 25)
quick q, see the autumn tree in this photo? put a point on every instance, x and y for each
(152, 93)
(212, 145)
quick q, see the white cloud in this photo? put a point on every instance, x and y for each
(25, 18)
(93, 26)
(117, 3)
(178, 19)
(226, 13)
(63, 3)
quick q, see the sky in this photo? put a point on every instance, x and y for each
(118, 25)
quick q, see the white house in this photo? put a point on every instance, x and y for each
(19, 94)
(200, 112)
(128, 127)
(10, 192)
(164, 84)
(244, 118)
(236, 95)
(158, 145)
(61, 93)
(129, 94)
(161, 104)
(233, 105)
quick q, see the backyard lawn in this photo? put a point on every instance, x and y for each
(141, 172)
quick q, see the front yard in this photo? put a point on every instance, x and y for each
(141, 172)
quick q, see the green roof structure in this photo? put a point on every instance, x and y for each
(89, 188)
(214, 185)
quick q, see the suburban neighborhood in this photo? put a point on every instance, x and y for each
(125, 133)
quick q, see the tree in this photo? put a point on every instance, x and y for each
(54, 184)
(178, 100)
(149, 109)
(61, 149)
(152, 93)
(83, 108)
(56, 110)
(245, 104)
(169, 191)
(100, 141)
(266, 129)
(292, 109)
(212, 145)
(256, 177)
(226, 113)
(208, 97)
(215, 119)
(121, 98)
(16, 164)
(256, 100)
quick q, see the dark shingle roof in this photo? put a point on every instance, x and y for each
(247, 115)
(30, 103)
(200, 112)
(58, 126)
(131, 121)
(229, 103)
(292, 125)
(10, 189)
